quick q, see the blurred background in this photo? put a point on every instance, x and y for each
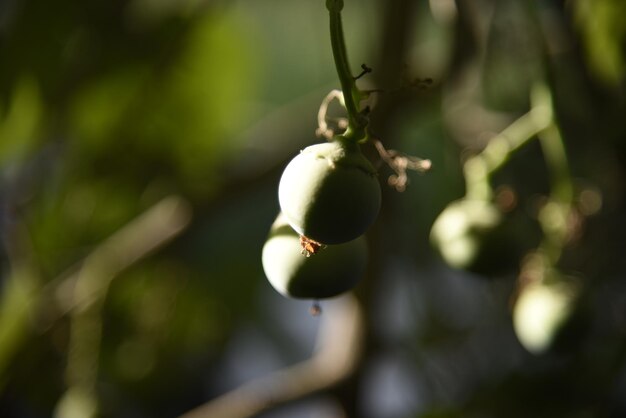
(141, 144)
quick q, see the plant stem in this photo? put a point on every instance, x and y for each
(481, 167)
(357, 122)
(539, 123)
(554, 216)
(554, 151)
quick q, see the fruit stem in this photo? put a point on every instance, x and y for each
(554, 152)
(540, 122)
(479, 168)
(554, 216)
(357, 121)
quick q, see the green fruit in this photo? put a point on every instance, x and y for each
(334, 269)
(541, 312)
(473, 235)
(330, 193)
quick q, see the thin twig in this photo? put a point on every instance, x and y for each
(323, 130)
(133, 242)
(339, 342)
(400, 163)
(87, 283)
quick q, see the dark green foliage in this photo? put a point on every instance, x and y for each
(107, 107)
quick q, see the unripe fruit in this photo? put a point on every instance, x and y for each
(334, 269)
(541, 312)
(457, 231)
(330, 193)
(469, 235)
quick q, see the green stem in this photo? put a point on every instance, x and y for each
(554, 215)
(479, 169)
(351, 94)
(554, 151)
(539, 123)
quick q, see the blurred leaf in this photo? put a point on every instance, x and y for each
(17, 305)
(185, 113)
(100, 107)
(507, 77)
(19, 126)
(193, 112)
(77, 403)
(66, 222)
(603, 28)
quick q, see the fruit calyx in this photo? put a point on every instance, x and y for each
(340, 152)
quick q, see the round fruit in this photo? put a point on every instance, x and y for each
(295, 273)
(469, 234)
(540, 313)
(456, 231)
(330, 193)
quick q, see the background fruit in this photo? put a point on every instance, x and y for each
(540, 312)
(474, 235)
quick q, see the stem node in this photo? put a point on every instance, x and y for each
(357, 121)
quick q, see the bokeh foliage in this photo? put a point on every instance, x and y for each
(108, 107)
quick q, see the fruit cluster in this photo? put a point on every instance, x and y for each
(329, 195)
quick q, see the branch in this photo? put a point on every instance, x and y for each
(133, 242)
(136, 240)
(339, 341)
